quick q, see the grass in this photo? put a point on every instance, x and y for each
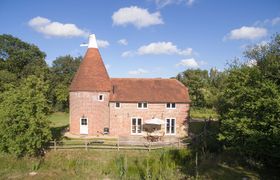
(166, 163)
(100, 164)
(59, 122)
(59, 119)
(203, 113)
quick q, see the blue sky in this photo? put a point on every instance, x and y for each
(148, 38)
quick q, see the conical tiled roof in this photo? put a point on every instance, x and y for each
(92, 74)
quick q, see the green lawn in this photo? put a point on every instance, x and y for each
(59, 122)
(203, 113)
(59, 119)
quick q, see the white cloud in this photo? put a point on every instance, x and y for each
(49, 28)
(190, 2)
(38, 21)
(158, 48)
(189, 63)
(274, 21)
(246, 32)
(136, 16)
(127, 54)
(163, 48)
(138, 72)
(102, 43)
(163, 3)
(123, 42)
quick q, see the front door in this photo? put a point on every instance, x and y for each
(84, 126)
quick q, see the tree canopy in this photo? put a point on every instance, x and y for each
(29, 91)
(62, 72)
(24, 128)
(21, 58)
(249, 105)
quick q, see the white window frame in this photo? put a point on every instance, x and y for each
(103, 97)
(170, 134)
(142, 105)
(116, 105)
(141, 126)
(170, 106)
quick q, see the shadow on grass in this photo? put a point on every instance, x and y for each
(57, 132)
(212, 166)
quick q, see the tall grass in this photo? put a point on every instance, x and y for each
(96, 164)
(99, 164)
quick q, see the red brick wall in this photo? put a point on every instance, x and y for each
(120, 119)
(87, 104)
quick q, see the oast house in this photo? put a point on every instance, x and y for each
(104, 106)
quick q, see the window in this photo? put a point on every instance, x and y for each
(136, 126)
(100, 97)
(118, 105)
(171, 105)
(83, 121)
(142, 105)
(170, 126)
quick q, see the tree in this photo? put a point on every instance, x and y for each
(6, 78)
(24, 128)
(267, 58)
(196, 81)
(62, 72)
(203, 86)
(21, 58)
(249, 106)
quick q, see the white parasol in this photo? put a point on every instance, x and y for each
(154, 121)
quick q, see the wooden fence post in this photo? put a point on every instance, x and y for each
(54, 143)
(196, 164)
(118, 143)
(86, 144)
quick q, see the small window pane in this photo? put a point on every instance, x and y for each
(139, 105)
(173, 105)
(139, 125)
(100, 97)
(145, 105)
(118, 104)
(133, 121)
(139, 122)
(172, 126)
(168, 105)
(167, 126)
(83, 121)
(133, 125)
(133, 129)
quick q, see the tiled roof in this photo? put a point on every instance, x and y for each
(154, 90)
(92, 74)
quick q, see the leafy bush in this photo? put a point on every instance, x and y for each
(24, 128)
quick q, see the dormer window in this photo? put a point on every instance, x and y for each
(170, 105)
(142, 105)
(101, 97)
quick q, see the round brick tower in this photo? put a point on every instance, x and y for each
(89, 94)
